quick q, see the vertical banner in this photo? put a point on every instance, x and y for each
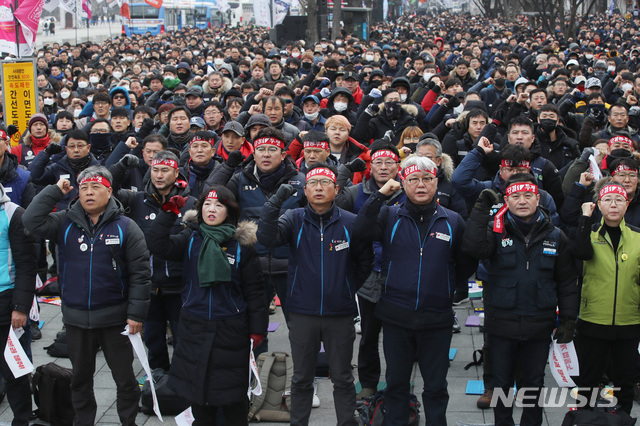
(19, 94)
(155, 3)
(262, 13)
(86, 7)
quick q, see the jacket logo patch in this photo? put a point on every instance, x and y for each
(112, 241)
(507, 242)
(551, 244)
(249, 187)
(338, 245)
(549, 251)
(295, 182)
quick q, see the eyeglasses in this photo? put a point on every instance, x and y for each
(211, 113)
(76, 146)
(119, 97)
(269, 149)
(616, 201)
(100, 103)
(388, 163)
(625, 176)
(413, 181)
(325, 183)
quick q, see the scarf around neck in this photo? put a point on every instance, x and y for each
(213, 266)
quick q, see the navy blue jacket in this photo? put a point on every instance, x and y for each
(104, 269)
(327, 263)
(242, 297)
(421, 272)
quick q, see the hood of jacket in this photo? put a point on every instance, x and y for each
(54, 137)
(340, 91)
(245, 231)
(410, 109)
(447, 167)
(125, 92)
(3, 195)
(226, 86)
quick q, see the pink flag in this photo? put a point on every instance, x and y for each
(28, 15)
(86, 6)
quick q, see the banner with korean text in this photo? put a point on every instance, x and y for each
(19, 94)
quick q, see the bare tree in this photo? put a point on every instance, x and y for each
(337, 17)
(551, 14)
(311, 7)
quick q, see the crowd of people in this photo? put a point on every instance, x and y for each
(183, 180)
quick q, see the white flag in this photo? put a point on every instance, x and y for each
(16, 358)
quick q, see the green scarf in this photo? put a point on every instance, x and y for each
(171, 83)
(213, 266)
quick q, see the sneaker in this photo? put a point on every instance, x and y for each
(36, 334)
(272, 306)
(357, 324)
(456, 325)
(485, 400)
(316, 401)
(459, 298)
(365, 393)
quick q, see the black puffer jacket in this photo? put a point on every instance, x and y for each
(209, 367)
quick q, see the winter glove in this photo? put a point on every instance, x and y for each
(53, 148)
(174, 205)
(487, 199)
(325, 93)
(324, 83)
(284, 192)
(453, 102)
(166, 96)
(586, 153)
(564, 332)
(235, 159)
(357, 165)
(257, 339)
(147, 125)
(388, 136)
(12, 130)
(372, 109)
(375, 93)
(130, 161)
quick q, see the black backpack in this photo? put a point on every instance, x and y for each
(170, 404)
(59, 348)
(52, 394)
(371, 410)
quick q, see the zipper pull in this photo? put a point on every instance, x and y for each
(91, 247)
(421, 218)
(527, 265)
(113, 263)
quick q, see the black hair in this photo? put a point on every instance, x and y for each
(521, 178)
(520, 120)
(226, 197)
(77, 134)
(515, 153)
(156, 137)
(176, 109)
(380, 145)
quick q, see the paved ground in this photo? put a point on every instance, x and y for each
(461, 407)
(96, 34)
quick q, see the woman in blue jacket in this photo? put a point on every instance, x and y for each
(224, 304)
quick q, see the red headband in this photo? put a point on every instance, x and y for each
(269, 141)
(3, 135)
(166, 162)
(385, 153)
(415, 168)
(622, 139)
(614, 189)
(623, 168)
(521, 187)
(321, 171)
(201, 139)
(99, 179)
(319, 144)
(509, 163)
(212, 195)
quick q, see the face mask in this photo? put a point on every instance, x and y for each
(324, 46)
(65, 95)
(458, 110)
(77, 72)
(117, 74)
(83, 84)
(500, 82)
(411, 146)
(182, 75)
(599, 73)
(392, 110)
(129, 58)
(627, 86)
(331, 75)
(427, 76)
(403, 97)
(611, 68)
(589, 57)
(196, 52)
(76, 113)
(311, 117)
(48, 102)
(548, 125)
(90, 98)
(295, 54)
(168, 78)
(99, 141)
(218, 61)
(306, 65)
(368, 57)
(340, 106)
(93, 79)
(283, 61)
(339, 42)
